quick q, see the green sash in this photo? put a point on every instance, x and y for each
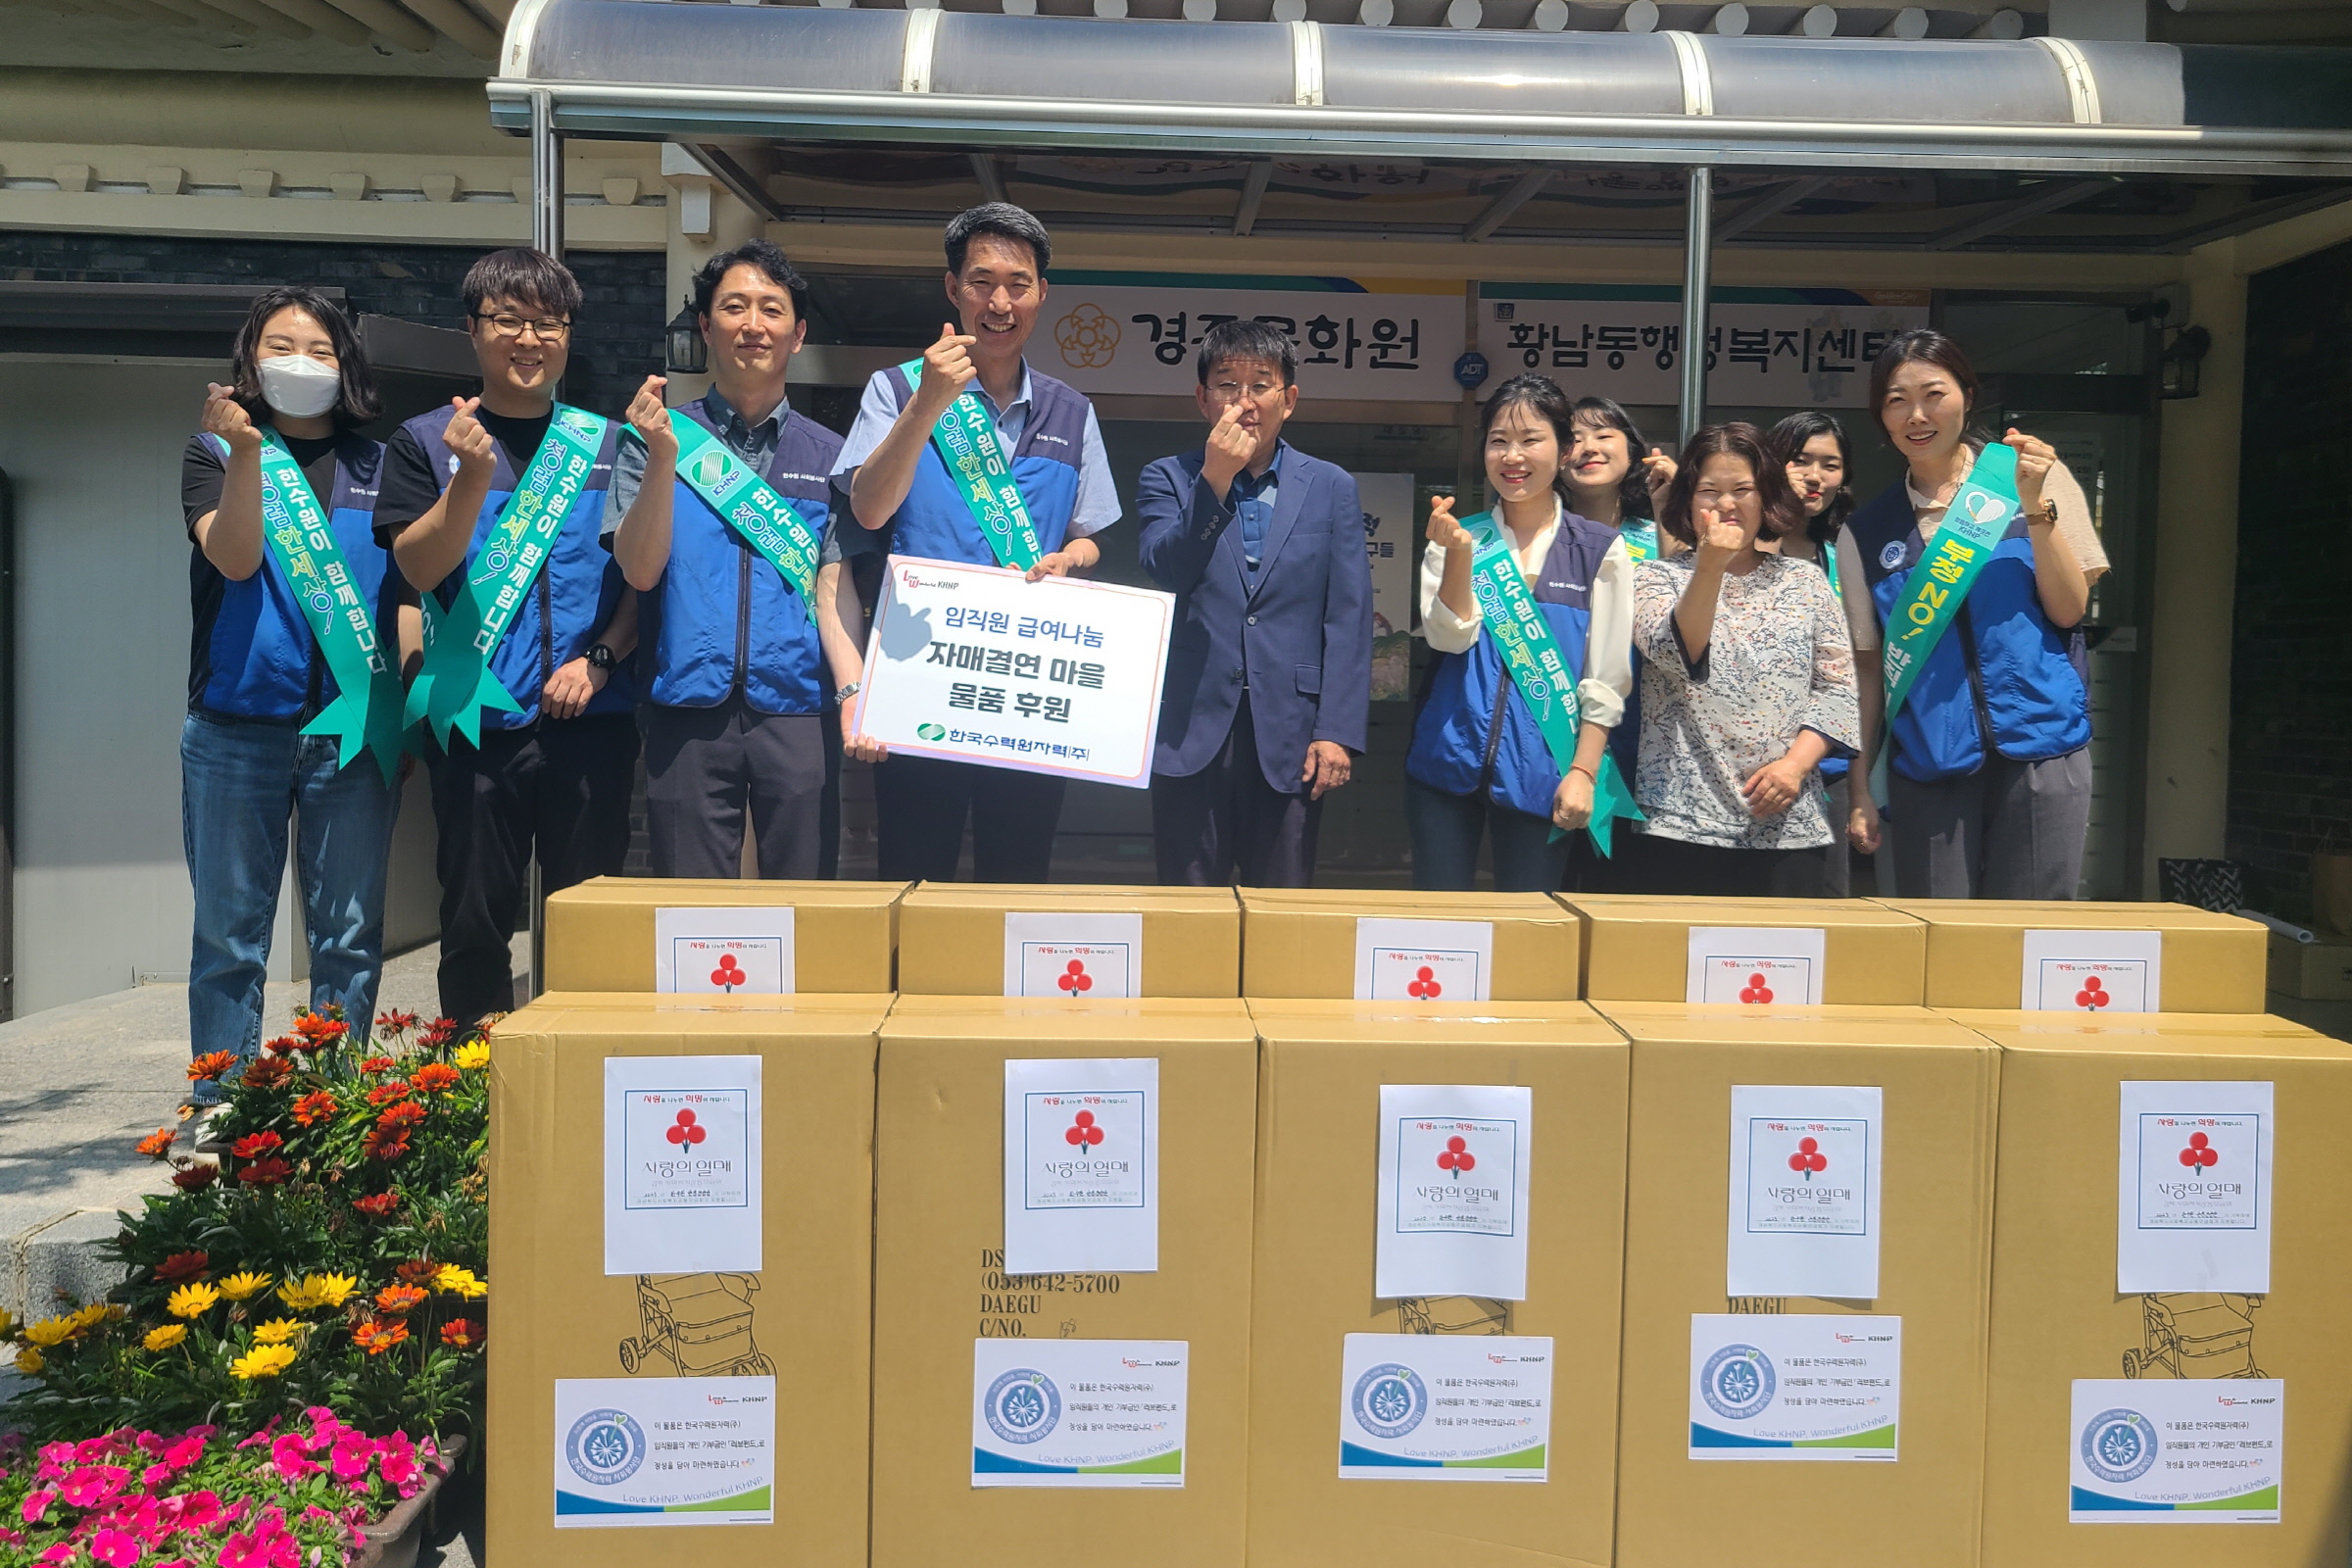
(749, 504)
(457, 686)
(1641, 540)
(967, 442)
(1829, 566)
(1540, 669)
(365, 711)
(1973, 524)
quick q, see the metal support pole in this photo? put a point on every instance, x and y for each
(1698, 246)
(547, 177)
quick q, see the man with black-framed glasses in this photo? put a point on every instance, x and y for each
(493, 508)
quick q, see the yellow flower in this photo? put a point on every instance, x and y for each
(193, 1300)
(29, 1362)
(51, 1333)
(7, 1324)
(266, 1361)
(296, 1294)
(164, 1338)
(474, 1053)
(457, 1281)
(90, 1317)
(331, 1289)
(277, 1332)
(237, 1286)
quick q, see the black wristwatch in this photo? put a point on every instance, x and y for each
(602, 658)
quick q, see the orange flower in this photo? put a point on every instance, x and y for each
(379, 1064)
(264, 1172)
(398, 1119)
(462, 1333)
(155, 1143)
(282, 1046)
(212, 1065)
(377, 1204)
(316, 1029)
(386, 1094)
(267, 1072)
(433, 1077)
(386, 1146)
(253, 1146)
(418, 1271)
(395, 1023)
(312, 1109)
(182, 1266)
(195, 1178)
(376, 1336)
(397, 1298)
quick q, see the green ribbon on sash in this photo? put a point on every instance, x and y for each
(1641, 540)
(457, 687)
(1532, 653)
(366, 711)
(1973, 525)
(967, 442)
(749, 504)
(1829, 566)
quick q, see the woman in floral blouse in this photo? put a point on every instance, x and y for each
(1748, 683)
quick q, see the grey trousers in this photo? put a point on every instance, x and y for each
(704, 766)
(2010, 830)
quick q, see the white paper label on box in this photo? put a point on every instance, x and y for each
(2193, 1187)
(1800, 1387)
(632, 1451)
(1078, 1412)
(1073, 956)
(1450, 1208)
(2176, 1451)
(1757, 965)
(730, 952)
(1424, 960)
(1082, 1166)
(683, 1164)
(1804, 1200)
(2092, 971)
(1444, 1407)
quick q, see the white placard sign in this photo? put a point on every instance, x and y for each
(2193, 1187)
(1451, 1204)
(637, 1451)
(975, 665)
(2177, 1452)
(1078, 1412)
(725, 951)
(1424, 960)
(1804, 1204)
(1756, 965)
(683, 1164)
(1082, 1166)
(2092, 971)
(1445, 1407)
(1073, 956)
(1392, 542)
(1800, 1387)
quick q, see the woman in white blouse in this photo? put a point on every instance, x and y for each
(1480, 767)
(1748, 683)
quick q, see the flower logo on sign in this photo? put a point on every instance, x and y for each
(730, 974)
(1074, 979)
(1808, 1157)
(1456, 1158)
(1424, 986)
(2093, 996)
(685, 1132)
(1756, 989)
(1083, 1134)
(1088, 338)
(2200, 1155)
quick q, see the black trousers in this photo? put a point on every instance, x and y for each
(705, 767)
(560, 787)
(922, 803)
(1226, 824)
(1672, 867)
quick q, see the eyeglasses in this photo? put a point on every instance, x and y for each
(508, 325)
(1228, 391)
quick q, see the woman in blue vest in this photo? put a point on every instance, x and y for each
(1478, 765)
(1812, 447)
(1989, 762)
(258, 673)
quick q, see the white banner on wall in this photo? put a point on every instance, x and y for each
(1392, 542)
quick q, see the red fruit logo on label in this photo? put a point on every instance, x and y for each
(1456, 1158)
(1808, 1157)
(2093, 996)
(1425, 988)
(2200, 1155)
(684, 1132)
(1074, 979)
(1083, 1134)
(730, 974)
(1756, 991)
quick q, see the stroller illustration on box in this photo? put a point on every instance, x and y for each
(1452, 1314)
(702, 1322)
(2196, 1334)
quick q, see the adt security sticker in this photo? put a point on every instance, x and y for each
(1424, 960)
(1807, 1387)
(2092, 972)
(2176, 1451)
(2193, 1187)
(1073, 956)
(1756, 965)
(725, 951)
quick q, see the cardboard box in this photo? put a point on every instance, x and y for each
(1126, 941)
(2057, 1316)
(804, 1317)
(939, 1284)
(601, 934)
(1941, 1085)
(1319, 1105)
(1639, 948)
(1304, 942)
(2312, 971)
(1977, 951)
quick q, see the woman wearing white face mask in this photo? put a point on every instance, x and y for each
(294, 691)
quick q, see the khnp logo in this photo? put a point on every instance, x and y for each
(1390, 1400)
(1737, 1381)
(930, 732)
(1022, 1406)
(2120, 1445)
(710, 467)
(605, 1448)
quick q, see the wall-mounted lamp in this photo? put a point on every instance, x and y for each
(683, 352)
(2183, 367)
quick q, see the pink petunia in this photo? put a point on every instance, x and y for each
(186, 1452)
(36, 1504)
(352, 1453)
(289, 1454)
(397, 1461)
(63, 1551)
(54, 1459)
(116, 1548)
(199, 1510)
(94, 1484)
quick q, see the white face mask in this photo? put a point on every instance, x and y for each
(299, 386)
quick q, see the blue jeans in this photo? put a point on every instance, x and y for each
(1446, 830)
(239, 785)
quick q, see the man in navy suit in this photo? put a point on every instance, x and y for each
(1270, 668)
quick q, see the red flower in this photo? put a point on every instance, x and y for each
(155, 1143)
(378, 1064)
(462, 1333)
(314, 1108)
(398, 1119)
(376, 1336)
(195, 1178)
(385, 1094)
(418, 1271)
(398, 1299)
(182, 1265)
(433, 1077)
(377, 1204)
(212, 1065)
(439, 1033)
(285, 1046)
(321, 1029)
(386, 1148)
(267, 1072)
(395, 1023)
(255, 1145)
(264, 1172)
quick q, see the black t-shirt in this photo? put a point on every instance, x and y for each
(202, 474)
(413, 475)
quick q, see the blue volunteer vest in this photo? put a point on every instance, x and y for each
(722, 618)
(934, 520)
(258, 660)
(1454, 732)
(574, 597)
(2001, 665)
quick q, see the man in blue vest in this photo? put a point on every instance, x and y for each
(996, 278)
(493, 507)
(740, 610)
(1270, 683)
